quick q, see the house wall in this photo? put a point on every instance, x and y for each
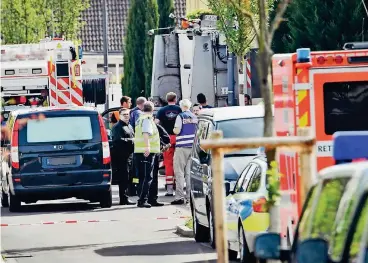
(196, 4)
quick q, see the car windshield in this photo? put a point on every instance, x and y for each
(242, 128)
(59, 129)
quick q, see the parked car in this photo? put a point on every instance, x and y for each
(234, 122)
(61, 155)
(245, 210)
(333, 224)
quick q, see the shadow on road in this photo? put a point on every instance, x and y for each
(158, 249)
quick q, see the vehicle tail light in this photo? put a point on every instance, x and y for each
(339, 59)
(14, 146)
(259, 205)
(321, 60)
(105, 142)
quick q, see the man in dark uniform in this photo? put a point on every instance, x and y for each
(123, 145)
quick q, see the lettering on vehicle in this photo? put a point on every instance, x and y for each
(324, 148)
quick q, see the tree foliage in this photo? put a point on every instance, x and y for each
(143, 16)
(195, 14)
(165, 7)
(27, 21)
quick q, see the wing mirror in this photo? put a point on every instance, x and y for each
(312, 250)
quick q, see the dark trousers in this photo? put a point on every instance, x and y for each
(144, 166)
(153, 191)
(124, 171)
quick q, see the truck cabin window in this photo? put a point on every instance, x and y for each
(345, 106)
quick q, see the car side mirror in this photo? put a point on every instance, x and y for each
(203, 157)
(227, 188)
(312, 250)
(267, 246)
(187, 66)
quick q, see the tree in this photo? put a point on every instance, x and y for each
(28, 21)
(165, 8)
(325, 25)
(137, 56)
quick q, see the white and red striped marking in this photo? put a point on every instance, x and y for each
(88, 221)
(248, 72)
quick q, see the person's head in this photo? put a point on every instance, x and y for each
(201, 98)
(124, 115)
(140, 101)
(148, 107)
(185, 104)
(247, 100)
(126, 102)
(196, 109)
(171, 98)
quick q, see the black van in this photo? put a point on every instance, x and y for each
(55, 154)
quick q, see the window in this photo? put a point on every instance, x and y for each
(248, 175)
(59, 129)
(242, 128)
(306, 215)
(358, 243)
(323, 218)
(241, 178)
(10, 72)
(62, 69)
(345, 106)
(255, 181)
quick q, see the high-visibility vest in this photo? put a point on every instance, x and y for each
(154, 139)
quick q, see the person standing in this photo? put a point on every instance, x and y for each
(166, 117)
(146, 147)
(196, 109)
(137, 111)
(164, 146)
(122, 140)
(247, 100)
(185, 128)
(202, 100)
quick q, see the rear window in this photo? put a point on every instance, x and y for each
(345, 106)
(57, 129)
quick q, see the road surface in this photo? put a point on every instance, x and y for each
(74, 231)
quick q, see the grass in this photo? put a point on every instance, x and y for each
(189, 223)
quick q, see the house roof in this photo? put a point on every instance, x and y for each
(92, 33)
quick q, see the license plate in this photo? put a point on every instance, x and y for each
(210, 17)
(61, 160)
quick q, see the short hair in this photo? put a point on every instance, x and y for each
(185, 103)
(171, 97)
(140, 100)
(247, 96)
(125, 99)
(148, 106)
(123, 109)
(201, 98)
(197, 105)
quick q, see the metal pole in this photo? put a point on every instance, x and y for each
(230, 79)
(106, 52)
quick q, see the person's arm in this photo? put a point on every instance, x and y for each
(158, 116)
(178, 125)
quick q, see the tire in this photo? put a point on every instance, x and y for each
(233, 255)
(4, 199)
(201, 233)
(245, 255)
(211, 223)
(106, 201)
(14, 203)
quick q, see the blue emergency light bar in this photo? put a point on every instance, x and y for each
(303, 55)
(350, 145)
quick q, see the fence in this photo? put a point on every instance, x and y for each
(304, 144)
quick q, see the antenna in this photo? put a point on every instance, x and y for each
(363, 29)
(365, 7)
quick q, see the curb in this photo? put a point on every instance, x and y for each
(184, 231)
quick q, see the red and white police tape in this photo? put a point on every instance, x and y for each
(87, 221)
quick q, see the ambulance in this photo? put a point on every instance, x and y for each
(48, 73)
(326, 91)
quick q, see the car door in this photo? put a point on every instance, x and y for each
(106, 116)
(232, 207)
(196, 172)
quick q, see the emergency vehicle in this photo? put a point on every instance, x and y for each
(48, 73)
(326, 91)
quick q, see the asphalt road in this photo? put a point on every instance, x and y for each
(74, 231)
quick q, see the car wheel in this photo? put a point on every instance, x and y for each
(233, 255)
(201, 233)
(4, 199)
(14, 203)
(212, 229)
(245, 255)
(106, 201)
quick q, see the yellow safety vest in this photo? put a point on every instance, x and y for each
(154, 139)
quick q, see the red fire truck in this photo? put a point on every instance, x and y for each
(326, 91)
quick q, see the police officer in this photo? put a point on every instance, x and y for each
(185, 128)
(146, 147)
(122, 140)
